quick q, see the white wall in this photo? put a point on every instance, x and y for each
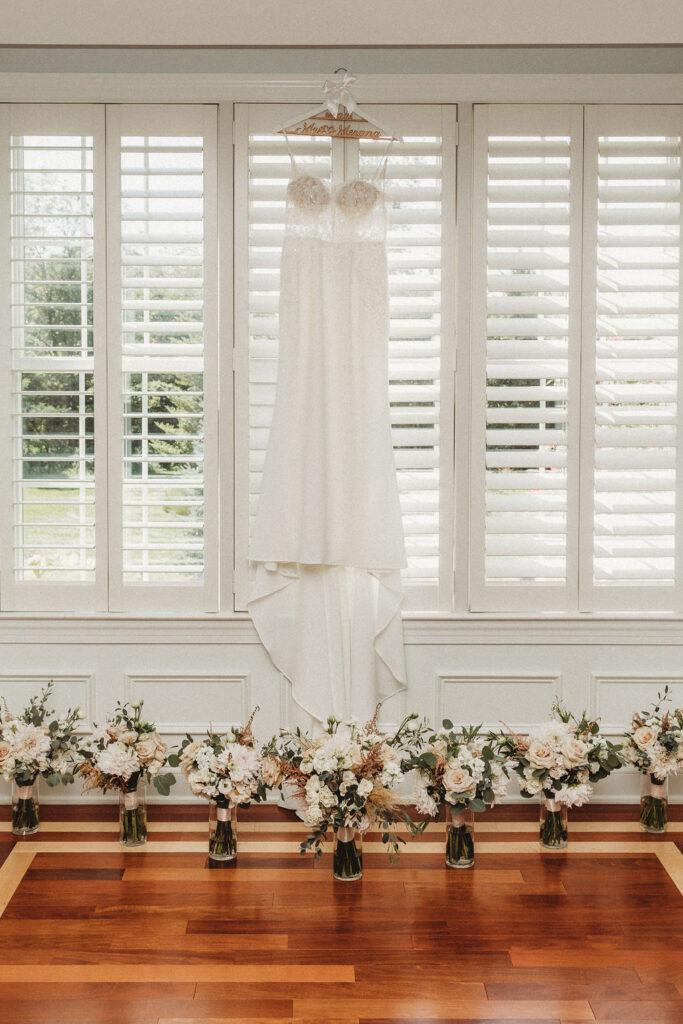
(195, 671)
(355, 22)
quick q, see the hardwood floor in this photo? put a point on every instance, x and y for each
(92, 935)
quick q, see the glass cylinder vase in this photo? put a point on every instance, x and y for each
(654, 804)
(133, 816)
(553, 829)
(348, 854)
(222, 831)
(459, 837)
(25, 809)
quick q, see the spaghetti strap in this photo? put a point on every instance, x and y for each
(380, 173)
(295, 169)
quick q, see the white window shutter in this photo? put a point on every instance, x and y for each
(163, 352)
(525, 357)
(631, 454)
(420, 243)
(53, 384)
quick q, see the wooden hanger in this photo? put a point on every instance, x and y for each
(339, 117)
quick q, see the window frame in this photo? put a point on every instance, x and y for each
(470, 92)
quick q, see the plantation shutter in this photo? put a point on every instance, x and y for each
(631, 454)
(525, 362)
(420, 190)
(54, 443)
(163, 356)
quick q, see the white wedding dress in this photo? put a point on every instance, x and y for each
(327, 545)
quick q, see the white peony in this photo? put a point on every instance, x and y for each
(29, 744)
(424, 803)
(118, 760)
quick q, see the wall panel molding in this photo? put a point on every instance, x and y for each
(34, 682)
(653, 682)
(552, 682)
(239, 683)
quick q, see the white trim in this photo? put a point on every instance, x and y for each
(225, 362)
(21, 87)
(493, 630)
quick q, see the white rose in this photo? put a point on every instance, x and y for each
(574, 752)
(327, 797)
(364, 787)
(457, 780)
(313, 815)
(645, 736)
(439, 747)
(541, 754)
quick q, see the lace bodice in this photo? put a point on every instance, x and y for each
(353, 211)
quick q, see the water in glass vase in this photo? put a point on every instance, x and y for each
(459, 837)
(654, 804)
(348, 854)
(222, 831)
(133, 816)
(25, 811)
(553, 829)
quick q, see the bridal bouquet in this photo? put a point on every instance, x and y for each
(345, 778)
(36, 744)
(119, 756)
(463, 772)
(560, 760)
(226, 769)
(654, 746)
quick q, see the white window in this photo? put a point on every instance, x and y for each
(110, 376)
(112, 446)
(576, 271)
(420, 190)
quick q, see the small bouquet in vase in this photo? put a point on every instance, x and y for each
(559, 761)
(345, 779)
(122, 755)
(463, 772)
(654, 745)
(33, 745)
(224, 768)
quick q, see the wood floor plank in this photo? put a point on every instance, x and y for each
(429, 1009)
(12, 871)
(143, 972)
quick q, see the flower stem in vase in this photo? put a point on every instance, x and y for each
(132, 818)
(553, 831)
(222, 831)
(459, 838)
(348, 854)
(653, 805)
(25, 814)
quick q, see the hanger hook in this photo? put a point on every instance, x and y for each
(342, 69)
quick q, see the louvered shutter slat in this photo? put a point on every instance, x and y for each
(634, 174)
(162, 307)
(52, 343)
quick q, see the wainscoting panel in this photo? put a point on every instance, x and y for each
(208, 671)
